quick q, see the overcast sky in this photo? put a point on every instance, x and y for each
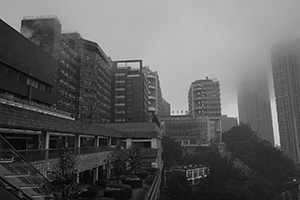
(184, 40)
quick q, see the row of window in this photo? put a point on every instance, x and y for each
(65, 74)
(21, 77)
(66, 104)
(67, 66)
(66, 85)
(66, 94)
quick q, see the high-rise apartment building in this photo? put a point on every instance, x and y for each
(204, 99)
(83, 73)
(129, 94)
(285, 59)
(254, 105)
(45, 32)
(94, 79)
(155, 96)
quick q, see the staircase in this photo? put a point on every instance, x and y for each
(18, 176)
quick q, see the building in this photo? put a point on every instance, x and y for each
(204, 98)
(129, 92)
(94, 85)
(285, 58)
(193, 173)
(45, 32)
(22, 76)
(186, 130)
(254, 105)
(165, 108)
(227, 123)
(155, 96)
(83, 75)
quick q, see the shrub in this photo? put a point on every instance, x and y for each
(118, 191)
(149, 180)
(142, 193)
(152, 169)
(92, 191)
(101, 183)
(141, 174)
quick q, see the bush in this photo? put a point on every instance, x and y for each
(149, 180)
(118, 191)
(92, 191)
(142, 193)
(101, 183)
(152, 169)
(141, 174)
(104, 198)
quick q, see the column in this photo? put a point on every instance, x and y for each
(77, 144)
(128, 143)
(109, 141)
(45, 138)
(95, 174)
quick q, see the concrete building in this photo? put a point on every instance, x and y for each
(165, 108)
(94, 86)
(186, 130)
(285, 58)
(204, 98)
(83, 73)
(45, 32)
(227, 123)
(129, 94)
(155, 96)
(254, 105)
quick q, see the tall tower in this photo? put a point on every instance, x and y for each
(155, 96)
(129, 92)
(254, 105)
(285, 59)
(204, 99)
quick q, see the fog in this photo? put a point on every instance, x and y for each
(182, 40)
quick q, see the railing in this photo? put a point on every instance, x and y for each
(18, 172)
(45, 154)
(29, 105)
(154, 189)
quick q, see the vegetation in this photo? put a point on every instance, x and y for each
(256, 169)
(63, 176)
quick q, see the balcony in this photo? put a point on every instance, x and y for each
(152, 87)
(151, 76)
(151, 97)
(151, 108)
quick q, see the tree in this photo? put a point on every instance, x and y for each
(172, 152)
(118, 159)
(135, 159)
(63, 178)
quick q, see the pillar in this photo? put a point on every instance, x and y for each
(109, 141)
(95, 174)
(45, 138)
(128, 143)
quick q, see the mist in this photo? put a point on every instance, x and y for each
(182, 40)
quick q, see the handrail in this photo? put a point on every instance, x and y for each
(45, 154)
(11, 100)
(154, 186)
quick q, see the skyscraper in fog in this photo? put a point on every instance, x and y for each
(285, 58)
(254, 106)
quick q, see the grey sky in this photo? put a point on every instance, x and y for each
(183, 40)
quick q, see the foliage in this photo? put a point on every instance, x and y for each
(92, 191)
(123, 160)
(101, 183)
(149, 180)
(142, 193)
(179, 188)
(63, 176)
(172, 152)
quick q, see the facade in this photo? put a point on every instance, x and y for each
(254, 106)
(193, 173)
(129, 94)
(94, 79)
(45, 32)
(165, 108)
(227, 123)
(188, 131)
(204, 98)
(155, 96)
(22, 76)
(285, 58)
